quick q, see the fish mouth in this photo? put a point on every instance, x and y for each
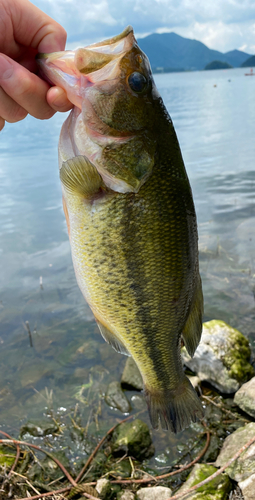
(76, 70)
(93, 77)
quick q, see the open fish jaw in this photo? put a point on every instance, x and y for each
(95, 78)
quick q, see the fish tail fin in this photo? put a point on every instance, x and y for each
(174, 409)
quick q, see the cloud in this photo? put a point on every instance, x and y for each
(220, 36)
(221, 24)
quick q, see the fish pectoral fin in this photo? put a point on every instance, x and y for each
(79, 176)
(111, 339)
(193, 328)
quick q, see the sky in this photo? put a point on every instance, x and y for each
(222, 25)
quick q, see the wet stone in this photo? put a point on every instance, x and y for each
(213, 415)
(245, 397)
(138, 402)
(131, 377)
(116, 398)
(222, 357)
(38, 429)
(244, 465)
(248, 487)
(217, 489)
(196, 382)
(213, 449)
(47, 470)
(154, 493)
(125, 495)
(134, 439)
(103, 488)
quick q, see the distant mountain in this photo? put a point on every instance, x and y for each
(249, 63)
(218, 65)
(174, 52)
(235, 57)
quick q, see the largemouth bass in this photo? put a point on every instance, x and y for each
(131, 218)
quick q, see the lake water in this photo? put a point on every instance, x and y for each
(214, 115)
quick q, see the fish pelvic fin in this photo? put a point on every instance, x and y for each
(174, 409)
(80, 177)
(192, 331)
(111, 339)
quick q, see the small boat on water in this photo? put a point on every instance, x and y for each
(250, 74)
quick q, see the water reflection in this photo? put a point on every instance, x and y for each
(37, 283)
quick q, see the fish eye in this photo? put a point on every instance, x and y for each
(137, 82)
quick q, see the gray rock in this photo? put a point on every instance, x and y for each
(116, 398)
(47, 470)
(196, 382)
(154, 493)
(38, 429)
(138, 402)
(244, 466)
(245, 397)
(213, 449)
(134, 439)
(248, 487)
(222, 357)
(125, 495)
(217, 489)
(103, 488)
(213, 416)
(131, 376)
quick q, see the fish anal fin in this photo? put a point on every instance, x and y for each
(111, 339)
(80, 177)
(174, 410)
(191, 333)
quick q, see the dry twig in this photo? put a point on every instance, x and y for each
(15, 441)
(14, 465)
(98, 446)
(224, 409)
(217, 473)
(127, 481)
(49, 493)
(169, 474)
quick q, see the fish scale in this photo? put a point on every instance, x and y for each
(131, 218)
(122, 240)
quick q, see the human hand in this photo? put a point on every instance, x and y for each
(24, 31)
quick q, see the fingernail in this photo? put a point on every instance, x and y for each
(58, 97)
(6, 68)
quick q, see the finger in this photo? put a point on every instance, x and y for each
(57, 99)
(43, 34)
(2, 123)
(25, 88)
(10, 111)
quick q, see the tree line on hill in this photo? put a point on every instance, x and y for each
(170, 52)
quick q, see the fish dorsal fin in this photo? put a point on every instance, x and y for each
(79, 176)
(193, 328)
(111, 339)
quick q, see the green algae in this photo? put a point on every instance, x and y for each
(238, 353)
(217, 489)
(133, 438)
(7, 456)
